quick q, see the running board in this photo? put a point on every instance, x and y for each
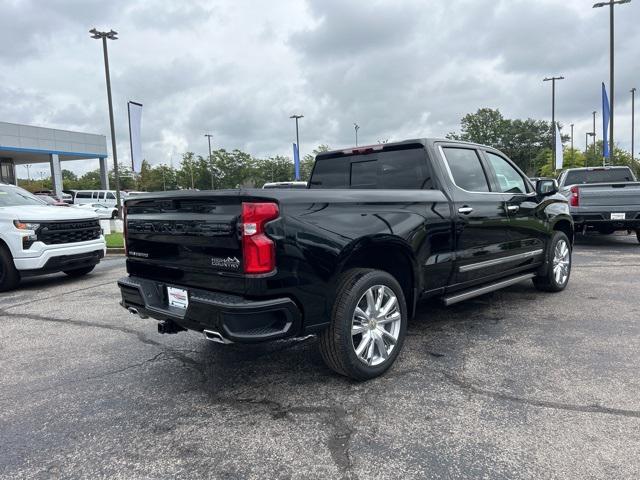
(459, 297)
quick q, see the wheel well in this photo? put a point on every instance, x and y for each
(391, 259)
(565, 226)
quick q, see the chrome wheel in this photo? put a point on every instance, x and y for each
(375, 325)
(561, 262)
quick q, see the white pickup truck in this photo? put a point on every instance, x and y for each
(37, 239)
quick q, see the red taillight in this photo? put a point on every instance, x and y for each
(258, 250)
(574, 200)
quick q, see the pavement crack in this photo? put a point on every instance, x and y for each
(67, 292)
(175, 353)
(342, 430)
(465, 385)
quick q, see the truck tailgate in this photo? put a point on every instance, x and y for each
(610, 194)
(187, 241)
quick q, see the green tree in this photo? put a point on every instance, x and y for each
(524, 141)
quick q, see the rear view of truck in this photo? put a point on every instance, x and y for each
(201, 262)
(605, 199)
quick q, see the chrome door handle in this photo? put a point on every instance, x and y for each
(465, 210)
(513, 208)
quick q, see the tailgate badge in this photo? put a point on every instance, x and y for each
(231, 263)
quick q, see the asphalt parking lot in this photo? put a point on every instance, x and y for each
(515, 384)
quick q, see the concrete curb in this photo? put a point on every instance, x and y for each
(115, 251)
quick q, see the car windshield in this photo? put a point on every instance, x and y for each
(16, 197)
(609, 175)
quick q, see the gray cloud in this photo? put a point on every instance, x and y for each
(238, 69)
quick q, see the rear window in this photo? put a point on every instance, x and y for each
(599, 176)
(400, 169)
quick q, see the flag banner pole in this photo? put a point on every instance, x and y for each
(135, 134)
(605, 125)
(296, 161)
(559, 153)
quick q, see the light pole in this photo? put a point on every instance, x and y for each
(633, 120)
(553, 114)
(611, 4)
(208, 135)
(586, 146)
(297, 117)
(111, 35)
(28, 174)
(356, 127)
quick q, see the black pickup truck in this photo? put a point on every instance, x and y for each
(378, 229)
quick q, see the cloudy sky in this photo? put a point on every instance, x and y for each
(239, 68)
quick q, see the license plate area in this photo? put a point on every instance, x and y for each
(177, 297)
(618, 216)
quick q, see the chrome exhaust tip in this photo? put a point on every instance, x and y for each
(134, 311)
(216, 337)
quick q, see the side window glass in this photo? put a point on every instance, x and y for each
(509, 180)
(466, 169)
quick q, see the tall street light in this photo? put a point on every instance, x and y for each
(553, 113)
(586, 145)
(111, 35)
(297, 117)
(611, 4)
(208, 135)
(356, 127)
(633, 120)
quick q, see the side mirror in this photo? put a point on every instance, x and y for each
(546, 186)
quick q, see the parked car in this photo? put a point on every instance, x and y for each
(50, 200)
(380, 229)
(285, 185)
(103, 211)
(65, 196)
(605, 199)
(104, 197)
(37, 239)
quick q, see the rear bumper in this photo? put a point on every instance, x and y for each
(603, 219)
(234, 317)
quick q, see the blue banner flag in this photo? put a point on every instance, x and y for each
(606, 113)
(296, 161)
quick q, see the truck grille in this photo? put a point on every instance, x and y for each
(69, 232)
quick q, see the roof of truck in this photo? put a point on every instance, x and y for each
(394, 145)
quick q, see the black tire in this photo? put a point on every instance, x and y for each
(337, 342)
(549, 282)
(638, 235)
(114, 215)
(79, 272)
(9, 276)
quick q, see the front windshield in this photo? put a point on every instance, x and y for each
(15, 197)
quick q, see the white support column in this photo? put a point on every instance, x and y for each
(56, 175)
(104, 174)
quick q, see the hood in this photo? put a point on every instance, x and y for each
(44, 212)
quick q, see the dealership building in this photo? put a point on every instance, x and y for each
(29, 145)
